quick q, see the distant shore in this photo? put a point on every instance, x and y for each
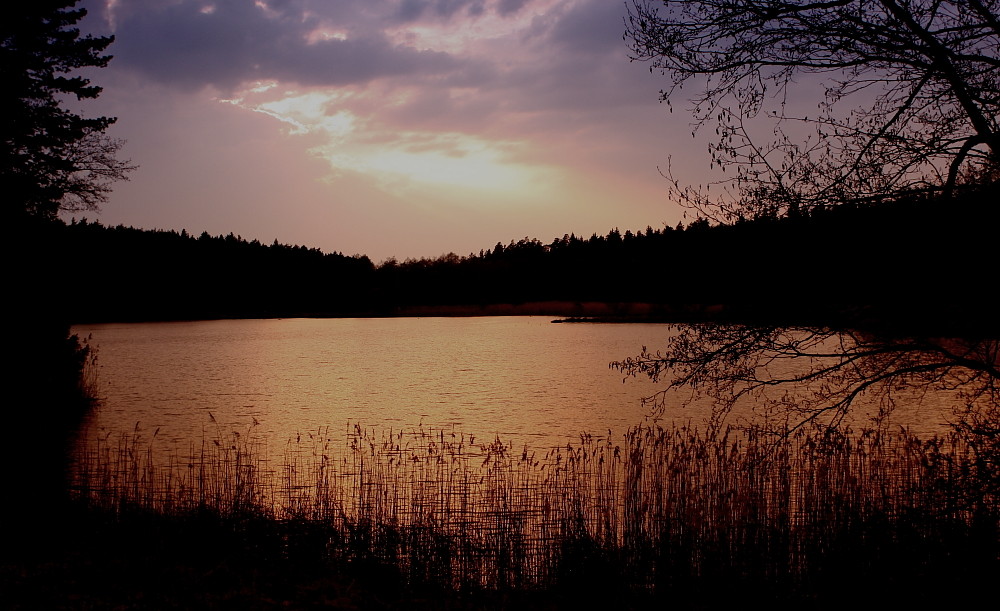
(923, 319)
(575, 310)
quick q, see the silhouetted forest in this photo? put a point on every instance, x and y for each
(925, 260)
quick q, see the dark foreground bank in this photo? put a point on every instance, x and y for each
(155, 562)
(668, 517)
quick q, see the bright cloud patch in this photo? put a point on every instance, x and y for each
(395, 160)
(452, 160)
(307, 114)
(443, 35)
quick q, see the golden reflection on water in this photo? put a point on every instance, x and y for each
(527, 381)
(523, 379)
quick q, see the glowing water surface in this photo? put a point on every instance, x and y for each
(523, 379)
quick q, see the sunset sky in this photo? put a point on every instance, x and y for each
(405, 128)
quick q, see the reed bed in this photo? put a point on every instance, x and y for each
(656, 510)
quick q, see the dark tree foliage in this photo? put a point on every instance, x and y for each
(864, 264)
(821, 102)
(174, 276)
(909, 94)
(52, 158)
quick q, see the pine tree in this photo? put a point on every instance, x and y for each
(51, 159)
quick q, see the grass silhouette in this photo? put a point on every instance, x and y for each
(662, 512)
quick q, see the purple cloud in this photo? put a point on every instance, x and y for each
(224, 43)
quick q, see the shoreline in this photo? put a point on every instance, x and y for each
(891, 320)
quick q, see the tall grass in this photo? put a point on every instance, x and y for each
(657, 510)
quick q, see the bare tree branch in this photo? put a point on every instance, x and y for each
(811, 373)
(912, 93)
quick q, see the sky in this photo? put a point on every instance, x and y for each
(390, 128)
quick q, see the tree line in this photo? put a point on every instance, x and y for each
(913, 258)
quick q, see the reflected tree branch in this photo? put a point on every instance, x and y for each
(812, 375)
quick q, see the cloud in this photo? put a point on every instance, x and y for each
(508, 69)
(414, 10)
(591, 28)
(510, 7)
(224, 43)
(493, 45)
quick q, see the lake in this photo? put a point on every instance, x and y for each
(523, 379)
(520, 378)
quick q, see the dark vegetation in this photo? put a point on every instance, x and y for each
(423, 518)
(915, 262)
(51, 160)
(820, 103)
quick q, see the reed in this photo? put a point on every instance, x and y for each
(658, 510)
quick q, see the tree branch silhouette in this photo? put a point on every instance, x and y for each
(909, 94)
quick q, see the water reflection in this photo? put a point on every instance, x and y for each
(521, 378)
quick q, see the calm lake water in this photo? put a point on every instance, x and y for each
(520, 378)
